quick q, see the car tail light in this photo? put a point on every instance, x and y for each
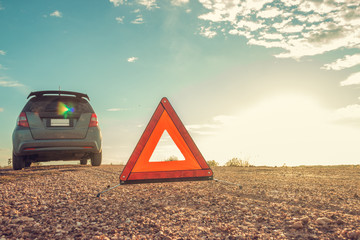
(93, 121)
(29, 149)
(22, 120)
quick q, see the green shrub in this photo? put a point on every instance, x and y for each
(212, 163)
(237, 162)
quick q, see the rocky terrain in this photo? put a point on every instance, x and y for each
(59, 202)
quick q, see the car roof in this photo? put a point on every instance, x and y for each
(59, 93)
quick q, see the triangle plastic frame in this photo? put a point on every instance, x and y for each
(138, 168)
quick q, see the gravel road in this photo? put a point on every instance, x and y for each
(59, 202)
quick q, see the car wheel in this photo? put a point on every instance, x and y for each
(83, 161)
(96, 159)
(27, 164)
(18, 162)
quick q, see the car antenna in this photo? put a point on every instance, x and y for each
(59, 90)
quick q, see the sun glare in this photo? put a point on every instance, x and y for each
(290, 129)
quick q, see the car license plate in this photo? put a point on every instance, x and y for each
(59, 122)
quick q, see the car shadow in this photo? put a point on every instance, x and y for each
(56, 167)
(10, 175)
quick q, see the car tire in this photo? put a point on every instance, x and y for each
(18, 162)
(27, 164)
(96, 159)
(83, 161)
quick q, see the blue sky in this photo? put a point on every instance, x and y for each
(271, 81)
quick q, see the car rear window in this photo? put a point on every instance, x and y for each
(52, 103)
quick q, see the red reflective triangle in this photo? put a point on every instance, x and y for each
(139, 169)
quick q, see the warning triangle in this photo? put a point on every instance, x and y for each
(139, 168)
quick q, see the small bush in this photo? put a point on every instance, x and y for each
(236, 162)
(212, 163)
(171, 158)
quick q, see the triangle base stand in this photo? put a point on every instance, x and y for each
(166, 180)
(106, 190)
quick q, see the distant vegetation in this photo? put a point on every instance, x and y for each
(236, 162)
(212, 163)
(171, 158)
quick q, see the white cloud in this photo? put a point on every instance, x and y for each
(290, 3)
(224, 119)
(179, 2)
(117, 2)
(269, 13)
(255, 5)
(221, 12)
(318, 43)
(314, 18)
(342, 63)
(280, 25)
(252, 26)
(210, 129)
(212, 16)
(317, 7)
(308, 28)
(348, 112)
(120, 19)
(4, 83)
(2, 52)
(1, 7)
(267, 44)
(132, 59)
(2, 67)
(291, 29)
(117, 109)
(204, 133)
(138, 20)
(201, 126)
(56, 13)
(306, 6)
(273, 36)
(207, 32)
(1, 109)
(247, 34)
(353, 79)
(149, 4)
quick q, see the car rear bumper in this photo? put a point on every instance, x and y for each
(24, 144)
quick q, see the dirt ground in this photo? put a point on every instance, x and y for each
(59, 202)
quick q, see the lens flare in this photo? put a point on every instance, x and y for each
(64, 110)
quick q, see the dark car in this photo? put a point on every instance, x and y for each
(56, 125)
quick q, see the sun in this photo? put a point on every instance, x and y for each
(280, 129)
